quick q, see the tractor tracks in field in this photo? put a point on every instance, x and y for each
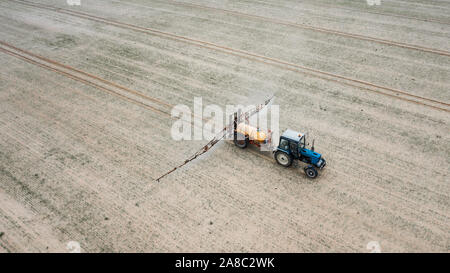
(125, 93)
(341, 8)
(82, 76)
(387, 14)
(343, 80)
(318, 29)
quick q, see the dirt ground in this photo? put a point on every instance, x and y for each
(79, 164)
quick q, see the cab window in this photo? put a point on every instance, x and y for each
(302, 143)
(284, 144)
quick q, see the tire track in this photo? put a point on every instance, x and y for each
(374, 12)
(89, 126)
(82, 80)
(360, 84)
(121, 87)
(388, 14)
(319, 29)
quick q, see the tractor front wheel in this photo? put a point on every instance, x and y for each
(283, 159)
(311, 172)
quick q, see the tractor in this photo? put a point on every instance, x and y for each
(292, 146)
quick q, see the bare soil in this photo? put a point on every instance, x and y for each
(78, 164)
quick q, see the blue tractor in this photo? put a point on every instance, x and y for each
(293, 146)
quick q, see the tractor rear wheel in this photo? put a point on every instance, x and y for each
(283, 159)
(241, 141)
(311, 172)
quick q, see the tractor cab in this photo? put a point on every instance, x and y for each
(293, 146)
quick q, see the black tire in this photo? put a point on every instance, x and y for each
(311, 172)
(283, 159)
(240, 142)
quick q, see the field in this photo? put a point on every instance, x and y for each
(85, 102)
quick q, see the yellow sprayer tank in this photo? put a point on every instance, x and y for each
(253, 133)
